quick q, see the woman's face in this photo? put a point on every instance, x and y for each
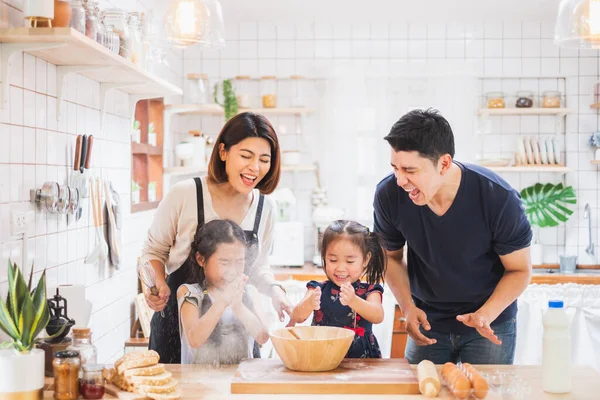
(226, 264)
(246, 163)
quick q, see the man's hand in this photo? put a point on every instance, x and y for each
(158, 303)
(415, 317)
(480, 321)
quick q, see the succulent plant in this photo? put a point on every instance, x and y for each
(595, 139)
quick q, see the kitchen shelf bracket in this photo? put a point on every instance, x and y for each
(61, 73)
(134, 98)
(9, 50)
(106, 87)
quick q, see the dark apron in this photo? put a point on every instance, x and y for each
(164, 332)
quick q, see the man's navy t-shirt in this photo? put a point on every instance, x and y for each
(453, 260)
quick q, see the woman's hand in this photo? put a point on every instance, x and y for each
(159, 302)
(280, 302)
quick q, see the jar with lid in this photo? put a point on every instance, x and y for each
(82, 343)
(77, 16)
(101, 35)
(92, 382)
(524, 99)
(551, 99)
(66, 365)
(268, 91)
(116, 22)
(298, 83)
(198, 88)
(243, 88)
(91, 19)
(134, 21)
(495, 100)
(111, 39)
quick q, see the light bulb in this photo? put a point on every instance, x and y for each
(594, 17)
(187, 22)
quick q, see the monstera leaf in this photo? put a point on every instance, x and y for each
(546, 204)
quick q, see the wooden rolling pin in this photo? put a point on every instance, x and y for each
(429, 382)
(480, 385)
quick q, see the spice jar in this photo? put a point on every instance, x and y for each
(115, 21)
(551, 99)
(82, 343)
(66, 375)
(242, 90)
(268, 91)
(91, 19)
(524, 99)
(495, 100)
(77, 16)
(198, 93)
(134, 21)
(92, 382)
(298, 83)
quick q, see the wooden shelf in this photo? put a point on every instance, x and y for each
(145, 148)
(524, 111)
(145, 206)
(214, 109)
(595, 106)
(174, 171)
(533, 168)
(595, 162)
(73, 52)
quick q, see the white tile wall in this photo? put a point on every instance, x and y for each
(490, 49)
(35, 147)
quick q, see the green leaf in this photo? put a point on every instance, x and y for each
(6, 322)
(546, 205)
(26, 321)
(5, 345)
(17, 290)
(40, 308)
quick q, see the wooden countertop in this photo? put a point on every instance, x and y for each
(540, 275)
(210, 383)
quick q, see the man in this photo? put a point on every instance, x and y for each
(468, 246)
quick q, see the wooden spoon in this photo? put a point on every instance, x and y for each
(295, 334)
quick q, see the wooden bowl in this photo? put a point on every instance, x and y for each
(321, 348)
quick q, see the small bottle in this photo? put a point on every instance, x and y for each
(92, 383)
(556, 350)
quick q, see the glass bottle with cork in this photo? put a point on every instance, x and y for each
(82, 343)
(243, 88)
(268, 91)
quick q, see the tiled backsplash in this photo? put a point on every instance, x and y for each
(36, 147)
(484, 49)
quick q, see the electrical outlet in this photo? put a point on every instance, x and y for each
(21, 221)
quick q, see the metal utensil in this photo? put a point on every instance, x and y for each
(588, 214)
(148, 278)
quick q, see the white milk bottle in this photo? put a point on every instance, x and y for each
(556, 350)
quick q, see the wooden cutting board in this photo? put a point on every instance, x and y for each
(122, 394)
(353, 376)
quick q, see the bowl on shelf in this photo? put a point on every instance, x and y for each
(315, 349)
(495, 162)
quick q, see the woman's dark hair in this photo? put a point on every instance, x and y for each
(242, 126)
(367, 242)
(424, 131)
(206, 240)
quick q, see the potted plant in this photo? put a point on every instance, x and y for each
(135, 192)
(136, 133)
(595, 142)
(546, 205)
(230, 105)
(22, 317)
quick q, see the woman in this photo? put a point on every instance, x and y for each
(244, 167)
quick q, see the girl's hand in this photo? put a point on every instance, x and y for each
(347, 294)
(239, 294)
(315, 299)
(230, 292)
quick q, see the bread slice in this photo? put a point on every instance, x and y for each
(165, 396)
(138, 362)
(146, 371)
(151, 380)
(163, 389)
(134, 355)
(123, 384)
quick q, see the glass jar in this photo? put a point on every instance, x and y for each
(551, 99)
(82, 343)
(198, 93)
(66, 366)
(77, 16)
(268, 91)
(92, 382)
(101, 36)
(298, 83)
(91, 19)
(524, 99)
(495, 100)
(134, 20)
(242, 90)
(115, 21)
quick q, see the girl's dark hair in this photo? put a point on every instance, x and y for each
(367, 242)
(206, 240)
(242, 126)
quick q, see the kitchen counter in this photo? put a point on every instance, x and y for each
(542, 274)
(209, 383)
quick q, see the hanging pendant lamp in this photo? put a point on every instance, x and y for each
(190, 22)
(578, 24)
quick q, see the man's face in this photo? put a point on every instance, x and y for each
(419, 176)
